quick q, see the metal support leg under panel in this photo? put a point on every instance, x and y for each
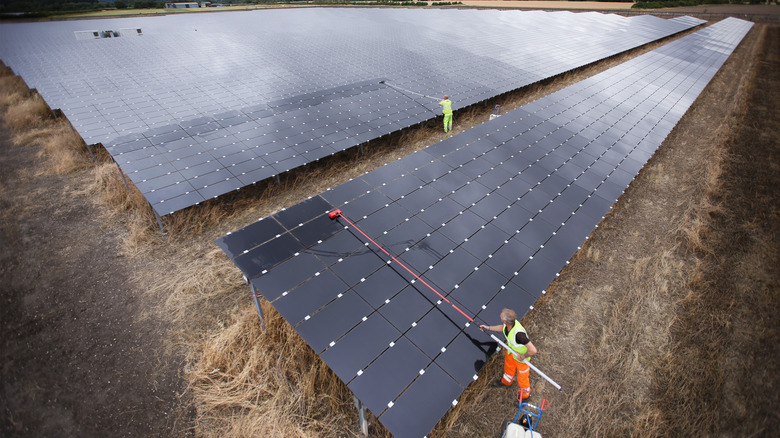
(159, 219)
(362, 414)
(89, 149)
(122, 174)
(257, 305)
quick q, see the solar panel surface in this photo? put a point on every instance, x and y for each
(488, 218)
(197, 106)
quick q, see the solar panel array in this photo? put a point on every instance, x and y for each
(488, 217)
(195, 106)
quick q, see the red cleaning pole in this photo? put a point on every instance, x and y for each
(337, 213)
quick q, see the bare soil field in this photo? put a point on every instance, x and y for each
(77, 357)
(664, 324)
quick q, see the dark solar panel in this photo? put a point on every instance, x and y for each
(198, 106)
(401, 349)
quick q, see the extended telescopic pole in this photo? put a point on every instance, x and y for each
(536, 370)
(337, 213)
(407, 91)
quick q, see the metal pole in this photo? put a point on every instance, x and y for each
(122, 174)
(408, 91)
(362, 414)
(88, 147)
(157, 216)
(544, 376)
(257, 305)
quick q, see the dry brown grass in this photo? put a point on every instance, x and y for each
(31, 121)
(12, 88)
(253, 383)
(123, 204)
(27, 113)
(22, 109)
(728, 321)
(62, 150)
(609, 337)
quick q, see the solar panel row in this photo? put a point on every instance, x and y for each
(488, 217)
(199, 106)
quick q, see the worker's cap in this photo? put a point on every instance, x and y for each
(446, 96)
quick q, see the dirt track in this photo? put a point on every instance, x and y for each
(82, 357)
(78, 360)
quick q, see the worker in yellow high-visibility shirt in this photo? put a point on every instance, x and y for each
(446, 109)
(522, 349)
